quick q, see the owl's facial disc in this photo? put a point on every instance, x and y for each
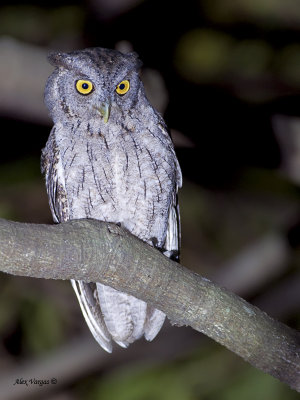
(102, 96)
(104, 110)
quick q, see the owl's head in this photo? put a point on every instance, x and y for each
(92, 83)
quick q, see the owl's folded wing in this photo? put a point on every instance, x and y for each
(55, 181)
(87, 297)
(172, 242)
(155, 318)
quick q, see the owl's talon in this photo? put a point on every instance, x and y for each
(155, 242)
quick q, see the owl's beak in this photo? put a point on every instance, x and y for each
(104, 110)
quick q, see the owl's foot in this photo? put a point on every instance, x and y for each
(172, 254)
(155, 242)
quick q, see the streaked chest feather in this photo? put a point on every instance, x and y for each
(129, 180)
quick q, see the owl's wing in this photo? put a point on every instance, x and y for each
(155, 318)
(55, 183)
(87, 296)
(172, 242)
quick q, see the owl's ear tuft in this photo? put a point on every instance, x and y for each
(134, 57)
(58, 59)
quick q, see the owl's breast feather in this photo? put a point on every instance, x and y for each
(129, 180)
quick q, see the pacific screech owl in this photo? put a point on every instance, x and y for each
(109, 157)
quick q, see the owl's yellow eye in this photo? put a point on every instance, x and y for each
(84, 86)
(123, 87)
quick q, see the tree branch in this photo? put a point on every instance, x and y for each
(95, 251)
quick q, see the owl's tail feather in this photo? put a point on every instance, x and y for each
(124, 315)
(128, 318)
(114, 315)
(154, 322)
(85, 293)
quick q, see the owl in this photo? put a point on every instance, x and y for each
(109, 157)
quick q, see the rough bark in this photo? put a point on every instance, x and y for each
(90, 250)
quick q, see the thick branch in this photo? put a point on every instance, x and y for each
(90, 250)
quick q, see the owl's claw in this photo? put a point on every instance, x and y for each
(155, 242)
(172, 254)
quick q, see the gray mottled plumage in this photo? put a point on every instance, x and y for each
(109, 157)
